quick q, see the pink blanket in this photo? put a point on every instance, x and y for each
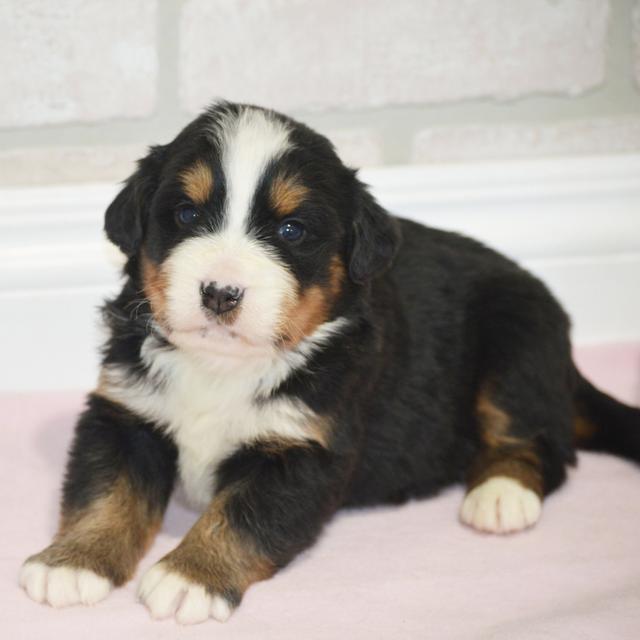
(408, 572)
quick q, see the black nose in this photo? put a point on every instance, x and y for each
(220, 299)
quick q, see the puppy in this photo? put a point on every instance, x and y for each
(283, 347)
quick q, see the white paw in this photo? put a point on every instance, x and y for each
(167, 594)
(500, 505)
(63, 586)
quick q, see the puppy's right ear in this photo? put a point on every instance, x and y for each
(126, 217)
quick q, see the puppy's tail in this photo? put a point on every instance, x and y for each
(604, 424)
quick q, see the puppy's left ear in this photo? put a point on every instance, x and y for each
(125, 218)
(375, 238)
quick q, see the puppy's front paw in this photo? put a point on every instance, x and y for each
(167, 593)
(62, 586)
(501, 505)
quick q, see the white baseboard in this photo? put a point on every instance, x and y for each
(575, 222)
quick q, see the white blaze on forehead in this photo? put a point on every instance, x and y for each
(230, 256)
(249, 141)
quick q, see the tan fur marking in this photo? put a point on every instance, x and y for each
(310, 311)
(197, 182)
(505, 455)
(215, 555)
(494, 422)
(337, 274)
(154, 284)
(287, 194)
(520, 463)
(313, 305)
(584, 430)
(319, 432)
(108, 537)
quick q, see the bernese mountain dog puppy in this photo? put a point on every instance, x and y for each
(283, 347)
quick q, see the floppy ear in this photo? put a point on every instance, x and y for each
(375, 238)
(126, 216)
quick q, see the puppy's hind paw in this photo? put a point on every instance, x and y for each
(500, 505)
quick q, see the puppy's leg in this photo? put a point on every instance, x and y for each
(119, 477)
(523, 407)
(504, 492)
(518, 463)
(271, 504)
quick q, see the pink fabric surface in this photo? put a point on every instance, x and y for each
(406, 572)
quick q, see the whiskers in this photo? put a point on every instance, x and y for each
(133, 318)
(135, 305)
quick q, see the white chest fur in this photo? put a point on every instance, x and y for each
(209, 407)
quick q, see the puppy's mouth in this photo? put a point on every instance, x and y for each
(216, 338)
(216, 330)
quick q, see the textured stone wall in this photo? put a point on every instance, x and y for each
(86, 85)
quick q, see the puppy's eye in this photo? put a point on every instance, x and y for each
(291, 231)
(186, 216)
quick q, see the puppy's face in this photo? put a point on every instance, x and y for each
(247, 232)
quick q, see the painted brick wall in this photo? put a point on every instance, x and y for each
(372, 53)
(636, 40)
(77, 61)
(87, 85)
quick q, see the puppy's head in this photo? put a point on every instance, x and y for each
(247, 232)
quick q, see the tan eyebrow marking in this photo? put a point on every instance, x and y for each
(286, 194)
(197, 182)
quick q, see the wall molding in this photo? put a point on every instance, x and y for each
(573, 221)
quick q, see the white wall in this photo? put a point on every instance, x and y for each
(86, 85)
(441, 96)
(574, 222)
